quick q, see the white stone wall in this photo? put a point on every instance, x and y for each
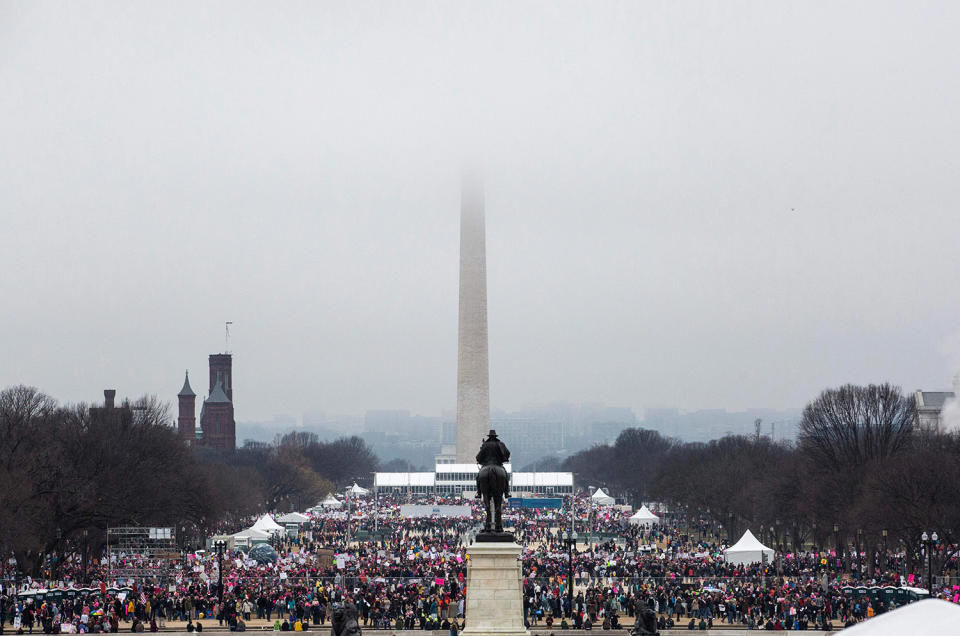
(494, 603)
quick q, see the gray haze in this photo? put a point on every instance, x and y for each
(720, 204)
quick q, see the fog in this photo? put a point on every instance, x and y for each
(727, 204)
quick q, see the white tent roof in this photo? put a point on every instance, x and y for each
(294, 517)
(267, 524)
(930, 617)
(357, 490)
(403, 479)
(527, 480)
(601, 497)
(331, 502)
(747, 543)
(644, 516)
(747, 550)
(252, 533)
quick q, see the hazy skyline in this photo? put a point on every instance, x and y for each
(702, 205)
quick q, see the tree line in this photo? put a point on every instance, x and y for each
(860, 473)
(69, 472)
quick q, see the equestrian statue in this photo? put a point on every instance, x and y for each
(493, 485)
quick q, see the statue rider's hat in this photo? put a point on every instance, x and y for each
(492, 433)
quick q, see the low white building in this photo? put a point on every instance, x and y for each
(461, 479)
(930, 406)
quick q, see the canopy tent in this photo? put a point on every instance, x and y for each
(357, 490)
(930, 617)
(602, 498)
(247, 538)
(645, 517)
(747, 550)
(294, 517)
(268, 525)
(330, 502)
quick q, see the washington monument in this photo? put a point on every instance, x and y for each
(473, 377)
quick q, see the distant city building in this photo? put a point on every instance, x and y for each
(218, 428)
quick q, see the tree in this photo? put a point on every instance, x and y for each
(848, 427)
(397, 465)
(347, 459)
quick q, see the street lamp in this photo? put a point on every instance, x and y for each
(571, 541)
(85, 548)
(859, 551)
(836, 540)
(929, 541)
(883, 559)
(220, 545)
(59, 553)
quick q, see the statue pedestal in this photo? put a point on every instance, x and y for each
(494, 590)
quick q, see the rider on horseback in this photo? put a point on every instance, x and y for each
(493, 452)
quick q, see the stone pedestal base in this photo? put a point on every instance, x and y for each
(494, 591)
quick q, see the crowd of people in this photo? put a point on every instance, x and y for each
(411, 573)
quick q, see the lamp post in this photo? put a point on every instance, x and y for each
(929, 541)
(220, 545)
(59, 554)
(85, 541)
(836, 540)
(571, 540)
(860, 551)
(349, 515)
(883, 558)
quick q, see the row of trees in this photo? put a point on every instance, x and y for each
(860, 473)
(68, 472)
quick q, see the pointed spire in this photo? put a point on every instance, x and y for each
(186, 391)
(218, 394)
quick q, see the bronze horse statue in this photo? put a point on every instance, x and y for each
(493, 485)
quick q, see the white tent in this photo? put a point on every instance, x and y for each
(330, 502)
(268, 525)
(747, 550)
(253, 534)
(602, 498)
(249, 537)
(931, 617)
(357, 490)
(644, 517)
(293, 517)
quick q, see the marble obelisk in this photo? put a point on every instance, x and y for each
(473, 378)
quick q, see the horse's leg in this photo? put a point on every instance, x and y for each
(498, 504)
(487, 512)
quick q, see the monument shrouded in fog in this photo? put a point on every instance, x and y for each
(473, 377)
(456, 468)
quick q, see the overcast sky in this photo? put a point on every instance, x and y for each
(726, 204)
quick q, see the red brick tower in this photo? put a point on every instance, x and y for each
(221, 367)
(216, 419)
(187, 418)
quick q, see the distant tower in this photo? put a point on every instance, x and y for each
(221, 364)
(217, 424)
(473, 379)
(187, 418)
